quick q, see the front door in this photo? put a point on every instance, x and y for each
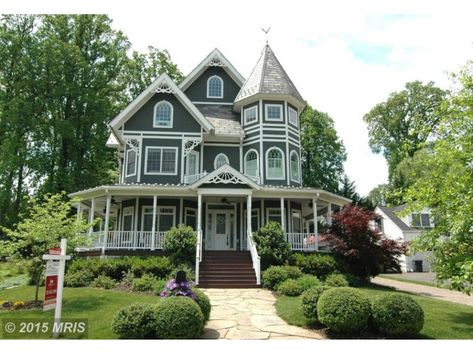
(220, 234)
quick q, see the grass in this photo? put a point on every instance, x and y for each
(443, 320)
(12, 274)
(96, 305)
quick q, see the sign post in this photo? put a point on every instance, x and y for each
(54, 282)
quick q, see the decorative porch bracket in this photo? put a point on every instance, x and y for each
(190, 144)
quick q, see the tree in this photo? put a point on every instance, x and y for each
(402, 125)
(323, 153)
(378, 195)
(348, 189)
(443, 181)
(361, 248)
(43, 228)
(272, 245)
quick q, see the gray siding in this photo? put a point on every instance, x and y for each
(210, 152)
(252, 125)
(198, 90)
(164, 179)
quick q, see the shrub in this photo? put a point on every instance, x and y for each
(190, 274)
(178, 318)
(159, 266)
(204, 303)
(319, 265)
(344, 310)
(354, 281)
(18, 305)
(103, 281)
(290, 287)
(143, 284)
(92, 265)
(115, 267)
(178, 287)
(336, 280)
(79, 278)
(274, 275)
(271, 245)
(397, 315)
(309, 302)
(159, 286)
(127, 279)
(308, 281)
(180, 242)
(136, 321)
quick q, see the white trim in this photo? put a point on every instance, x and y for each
(258, 214)
(159, 134)
(221, 92)
(173, 208)
(127, 211)
(217, 144)
(288, 116)
(287, 145)
(185, 215)
(137, 207)
(266, 117)
(257, 161)
(273, 209)
(217, 157)
(212, 103)
(165, 102)
(283, 177)
(260, 139)
(245, 119)
(176, 149)
(298, 166)
(194, 153)
(301, 218)
(126, 162)
(226, 170)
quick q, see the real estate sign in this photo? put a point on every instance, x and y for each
(51, 284)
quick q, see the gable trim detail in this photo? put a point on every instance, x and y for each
(225, 175)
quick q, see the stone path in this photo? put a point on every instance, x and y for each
(249, 314)
(434, 292)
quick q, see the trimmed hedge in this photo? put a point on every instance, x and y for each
(143, 284)
(308, 281)
(309, 302)
(319, 265)
(103, 281)
(137, 321)
(272, 245)
(336, 280)
(180, 243)
(79, 278)
(204, 303)
(344, 310)
(274, 275)
(397, 315)
(178, 318)
(290, 287)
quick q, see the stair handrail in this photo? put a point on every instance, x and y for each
(198, 255)
(255, 258)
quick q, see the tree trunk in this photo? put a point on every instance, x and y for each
(36, 294)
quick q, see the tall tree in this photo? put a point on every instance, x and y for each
(348, 189)
(323, 153)
(378, 195)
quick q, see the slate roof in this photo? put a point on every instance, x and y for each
(390, 212)
(268, 77)
(225, 121)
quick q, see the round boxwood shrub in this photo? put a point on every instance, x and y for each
(397, 315)
(274, 275)
(344, 310)
(136, 321)
(144, 284)
(309, 302)
(180, 244)
(336, 280)
(290, 287)
(103, 281)
(178, 318)
(204, 303)
(319, 265)
(308, 281)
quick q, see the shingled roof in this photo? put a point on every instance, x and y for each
(268, 77)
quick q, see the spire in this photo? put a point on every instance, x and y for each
(269, 77)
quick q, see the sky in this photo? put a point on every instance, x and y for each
(343, 56)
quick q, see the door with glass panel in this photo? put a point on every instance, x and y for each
(220, 227)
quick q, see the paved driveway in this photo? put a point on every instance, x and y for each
(249, 314)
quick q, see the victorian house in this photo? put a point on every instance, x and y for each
(217, 152)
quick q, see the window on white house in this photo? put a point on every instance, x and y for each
(215, 87)
(192, 163)
(127, 218)
(296, 221)
(274, 164)
(191, 217)
(250, 115)
(293, 119)
(421, 220)
(147, 222)
(273, 214)
(295, 171)
(273, 112)
(254, 219)
(130, 163)
(220, 159)
(163, 114)
(166, 218)
(161, 161)
(251, 163)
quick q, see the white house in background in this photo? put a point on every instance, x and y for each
(406, 229)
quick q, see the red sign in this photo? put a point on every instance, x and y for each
(50, 292)
(55, 251)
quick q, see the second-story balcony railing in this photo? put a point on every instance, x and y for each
(190, 179)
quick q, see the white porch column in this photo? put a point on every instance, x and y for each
(135, 237)
(91, 216)
(248, 215)
(199, 212)
(316, 228)
(283, 216)
(79, 211)
(107, 221)
(153, 228)
(329, 214)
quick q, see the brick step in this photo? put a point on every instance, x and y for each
(227, 285)
(227, 271)
(223, 264)
(227, 277)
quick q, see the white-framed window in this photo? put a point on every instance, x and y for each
(215, 87)
(295, 167)
(273, 112)
(192, 163)
(163, 114)
(130, 165)
(275, 164)
(190, 218)
(251, 163)
(293, 117)
(296, 221)
(147, 218)
(128, 214)
(220, 159)
(166, 218)
(161, 161)
(255, 221)
(421, 220)
(250, 115)
(273, 214)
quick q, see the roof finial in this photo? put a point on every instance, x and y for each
(266, 31)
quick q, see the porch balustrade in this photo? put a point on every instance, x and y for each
(130, 240)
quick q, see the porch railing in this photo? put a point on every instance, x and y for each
(304, 242)
(131, 240)
(254, 257)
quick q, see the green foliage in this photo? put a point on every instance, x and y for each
(79, 278)
(290, 287)
(309, 301)
(103, 281)
(159, 267)
(136, 321)
(336, 280)
(274, 275)
(344, 310)
(180, 242)
(319, 265)
(178, 318)
(271, 245)
(159, 286)
(144, 283)
(397, 315)
(308, 281)
(190, 273)
(204, 303)
(323, 153)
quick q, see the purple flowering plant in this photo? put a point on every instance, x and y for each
(178, 288)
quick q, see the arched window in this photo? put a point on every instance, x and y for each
(295, 172)
(215, 87)
(220, 159)
(251, 163)
(163, 113)
(274, 164)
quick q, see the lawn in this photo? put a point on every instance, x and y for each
(12, 274)
(96, 305)
(416, 282)
(443, 320)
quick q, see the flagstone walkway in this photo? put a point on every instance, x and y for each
(249, 314)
